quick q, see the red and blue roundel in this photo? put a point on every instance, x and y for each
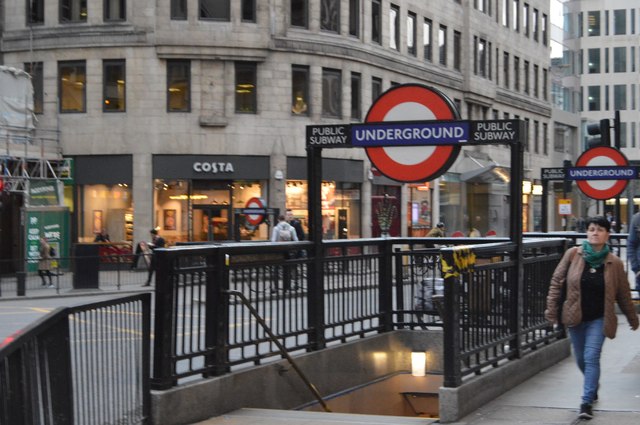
(412, 102)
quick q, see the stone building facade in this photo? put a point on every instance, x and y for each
(178, 112)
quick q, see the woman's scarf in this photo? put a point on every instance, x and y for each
(594, 259)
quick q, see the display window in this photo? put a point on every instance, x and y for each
(341, 207)
(203, 210)
(420, 221)
(107, 210)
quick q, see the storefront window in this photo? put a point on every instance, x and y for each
(420, 210)
(451, 211)
(107, 209)
(385, 211)
(203, 210)
(341, 206)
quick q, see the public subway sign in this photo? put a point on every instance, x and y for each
(400, 133)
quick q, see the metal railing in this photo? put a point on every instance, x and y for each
(355, 288)
(87, 364)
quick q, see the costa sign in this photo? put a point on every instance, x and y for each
(213, 167)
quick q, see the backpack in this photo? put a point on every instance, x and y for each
(284, 232)
(52, 251)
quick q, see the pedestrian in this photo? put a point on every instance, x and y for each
(284, 232)
(157, 241)
(44, 264)
(437, 232)
(296, 224)
(102, 236)
(633, 248)
(593, 280)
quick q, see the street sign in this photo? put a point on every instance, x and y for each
(553, 174)
(601, 172)
(328, 136)
(255, 210)
(564, 206)
(412, 102)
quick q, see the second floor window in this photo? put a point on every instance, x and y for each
(300, 90)
(354, 18)
(427, 40)
(114, 77)
(115, 10)
(72, 84)
(35, 11)
(442, 45)
(246, 87)
(411, 34)
(299, 13)
(248, 10)
(178, 86)
(356, 96)
(178, 9)
(73, 10)
(330, 15)
(331, 93)
(394, 28)
(593, 23)
(376, 22)
(37, 80)
(219, 10)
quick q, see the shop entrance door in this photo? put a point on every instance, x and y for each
(211, 223)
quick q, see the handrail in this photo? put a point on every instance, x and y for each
(281, 347)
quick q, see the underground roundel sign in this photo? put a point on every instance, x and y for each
(255, 219)
(602, 157)
(412, 102)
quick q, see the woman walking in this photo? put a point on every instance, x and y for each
(594, 280)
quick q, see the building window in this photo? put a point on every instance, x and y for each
(299, 13)
(427, 40)
(620, 97)
(72, 79)
(525, 19)
(442, 45)
(394, 27)
(594, 98)
(218, 10)
(619, 59)
(115, 10)
(606, 60)
(411, 34)
(457, 50)
(354, 18)
(526, 73)
(594, 61)
(545, 30)
(246, 87)
(35, 12)
(505, 13)
(37, 80)
(545, 84)
(516, 15)
(536, 86)
(536, 137)
(178, 86)
(330, 16)
(248, 10)
(619, 22)
(73, 10)
(606, 98)
(331, 93)
(300, 90)
(535, 24)
(113, 90)
(178, 9)
(356, 96)
(516, 73)
(545, 139)
(593, 23)
(376, 22)
(376, 88)
(505, 69)
(480, 59)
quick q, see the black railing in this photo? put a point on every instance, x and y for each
(354, 289)
(87, 364)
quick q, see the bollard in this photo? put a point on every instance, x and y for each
(21, 283)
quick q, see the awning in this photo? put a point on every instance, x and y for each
(483, 169)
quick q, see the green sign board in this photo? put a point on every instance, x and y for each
(43, 192)
(53, 223)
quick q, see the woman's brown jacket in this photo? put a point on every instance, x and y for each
(616, 285)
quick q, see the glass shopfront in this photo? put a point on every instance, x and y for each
(341, 207)
(203, 210)
(420, 209)
(195, 197)
(340, 196)
(103, 198)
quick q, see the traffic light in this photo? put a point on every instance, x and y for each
(601, 134)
